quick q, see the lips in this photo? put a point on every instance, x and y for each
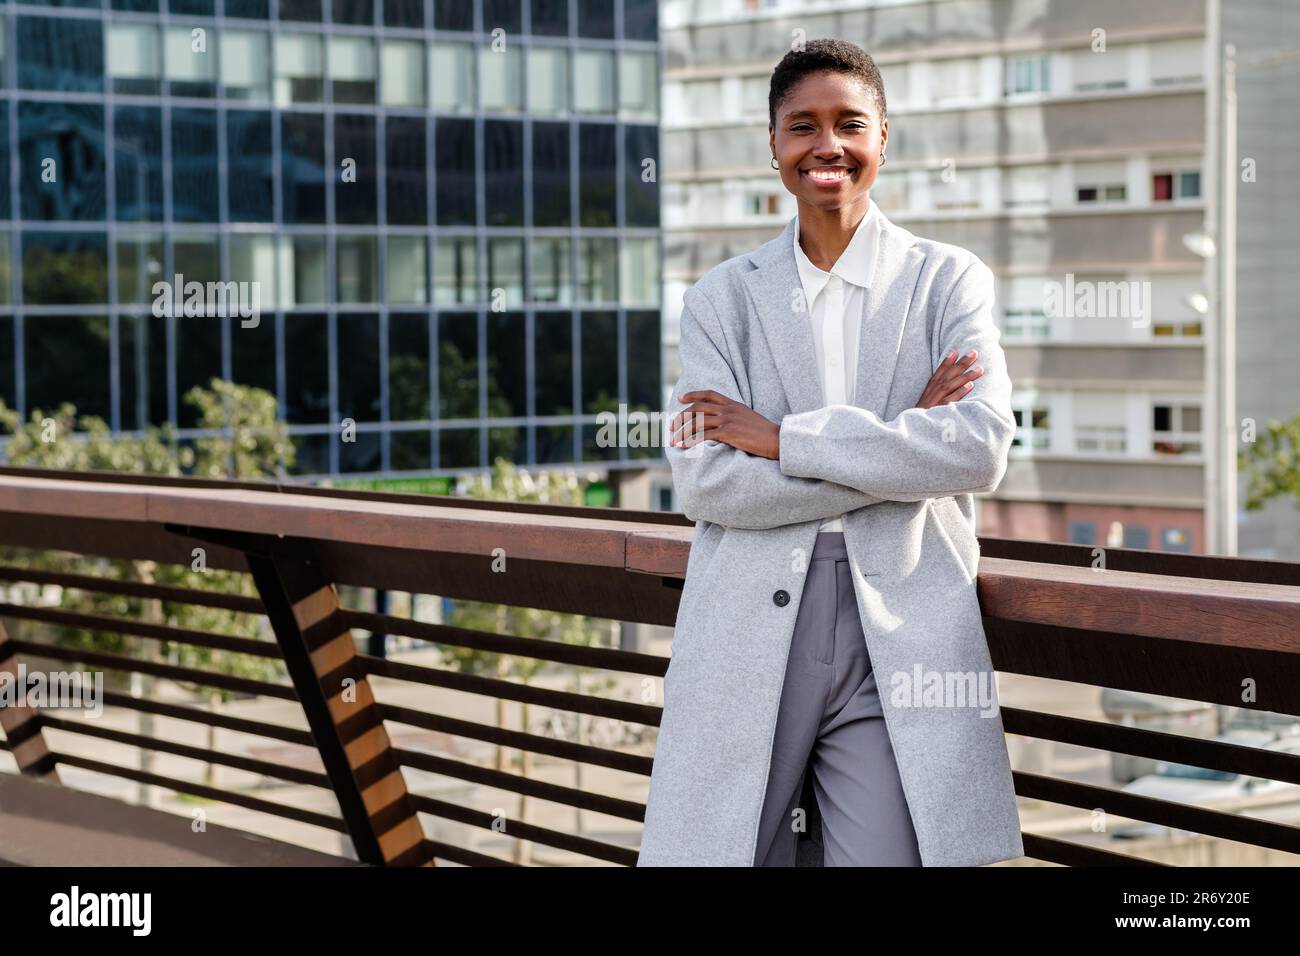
(829, 175)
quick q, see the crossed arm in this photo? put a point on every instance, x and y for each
(840, 458)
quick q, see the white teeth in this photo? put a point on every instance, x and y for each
(828, 176)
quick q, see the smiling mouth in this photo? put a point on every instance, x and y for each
(829, 174)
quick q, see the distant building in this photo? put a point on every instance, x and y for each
(1015, 134)
(386, 171)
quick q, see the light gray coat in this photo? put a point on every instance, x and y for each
(904, 479)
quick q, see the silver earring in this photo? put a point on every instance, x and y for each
(882, 159)
(775, 165)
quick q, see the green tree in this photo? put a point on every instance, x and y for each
(1271, 463)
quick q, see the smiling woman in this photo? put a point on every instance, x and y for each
(830, 430)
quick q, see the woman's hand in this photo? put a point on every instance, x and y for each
(950, 381)
(711, 416)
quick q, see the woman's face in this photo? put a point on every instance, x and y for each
(829, 122)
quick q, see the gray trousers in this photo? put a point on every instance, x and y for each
(831, 722)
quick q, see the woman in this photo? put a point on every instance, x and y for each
(829, 627)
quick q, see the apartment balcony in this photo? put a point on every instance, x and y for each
(353, 754)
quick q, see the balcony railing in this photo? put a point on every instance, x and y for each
(1181, 626)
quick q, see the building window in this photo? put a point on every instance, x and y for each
(1025, 187)
(764, 203)
(954, 81)
(638, 85)
(593, 81)
(352, 69)
(1033, 428)
(501, 78)
(245, 64)
(301, 271)
(1102, 70)
(1177, 62)
(354, 265)
(1136, 536)
(191, 66)
(456, 271)
(1029, 74)
(134, 58)
(639, 272)
(406, 267)
(1100, 438)
(402, 73)
(1176, 539)
(1168, 186)
(551, 275)
(597, 269)
(548, 79)
(299, 69)
(451, 77)
(505, 272)
(1176, 429)
(1083, 532)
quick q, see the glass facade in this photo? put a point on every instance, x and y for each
(450, 209)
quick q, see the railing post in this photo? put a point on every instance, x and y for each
(321, 655)
(22, 724)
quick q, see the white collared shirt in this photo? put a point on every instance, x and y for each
(835, 303)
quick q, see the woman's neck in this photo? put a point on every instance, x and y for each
(824, 234)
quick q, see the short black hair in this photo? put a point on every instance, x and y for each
(836, 56)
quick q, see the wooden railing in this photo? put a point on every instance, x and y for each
(1177, 625)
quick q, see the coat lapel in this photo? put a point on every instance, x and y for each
(774, 290)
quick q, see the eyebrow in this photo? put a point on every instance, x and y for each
(845, 111)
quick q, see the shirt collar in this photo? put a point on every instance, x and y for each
(857, 264)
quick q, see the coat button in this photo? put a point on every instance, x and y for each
(781, 598)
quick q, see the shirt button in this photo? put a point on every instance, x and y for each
(781, 598)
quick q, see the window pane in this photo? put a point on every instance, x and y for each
(506, 272)
(65, 268)
(599, 362)
(246, 64)
(302, 167)
(352, 69)
(407, 158)
(68, 140)
(550, 17)
(548, 79)
(643, 379)
(641, 181)
(67, 360)
(252, 260)
(593, 81)
(361, 12)
(355, 173)
(458, 367)
(134, 58)
(551, 190)
(190, 60)
(307, 377)
(456, 280)
(455, 172)
(355, 265)
(408, 368)
(500, 78)
(60, 54)
(503, 162)
(137, 143)
(597, 269)
(248, 146)
(596, 165)
(358, 368)
(194, 159)
(507, 369)
(403, 73)
(553, 362)
(641, 19)
(638, 85)
(596, 19)
(139, 266)
(299, 69)
(404, 13)
(639, 272)
(196, 258)
(552, 277)
(453, 15)
(407, 270)
(301, 271)
(451, 77)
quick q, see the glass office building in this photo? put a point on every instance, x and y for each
(450, 210)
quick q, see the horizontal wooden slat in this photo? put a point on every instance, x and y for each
(517, 740)
(140, 589)
(1227, 826)
(1072, 854)
(200, 790)
(210, 718)
(527, 831)
(508, 690)
(115, 662)
(514, 783)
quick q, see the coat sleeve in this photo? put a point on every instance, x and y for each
(724, 485)
(951, 449)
